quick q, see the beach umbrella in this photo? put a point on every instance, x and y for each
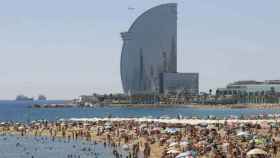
(173, 151)
(21, 128)
(257, 141)
(144, 119)
(203, 124)
(108, 124)
(173, 144)
(187, 154)
(184, 143)
(182, 155)
(243, 134)
(37, 124)
(108, 127)
(61, 120)
(165, 117)
(86, 124)
(2, 123)
(167, 130)
(125, 147)
(171, 130)
(170, 148)
(256, 151)
(63, 124)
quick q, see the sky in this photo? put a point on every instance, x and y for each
(66, 48)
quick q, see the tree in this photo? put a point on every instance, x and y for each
(272, 94)
(210, 91)
(217, 92)
(272, 91)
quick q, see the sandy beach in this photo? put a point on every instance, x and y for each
(200, 106)
(163, 138)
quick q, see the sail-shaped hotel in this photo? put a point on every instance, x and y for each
(149, 54)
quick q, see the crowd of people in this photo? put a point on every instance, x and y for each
(162, 139)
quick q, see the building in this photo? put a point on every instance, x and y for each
(149, 51)
(83, 99)
(176, 83)
(252, 91)
(250, 87)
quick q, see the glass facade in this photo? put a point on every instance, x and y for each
(149, 49)
(180, 82)
(247, 92)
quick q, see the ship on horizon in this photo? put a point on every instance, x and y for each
(22, 97)
(42, 97)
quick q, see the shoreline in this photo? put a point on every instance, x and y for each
(193, 106)
(115, 141)
(199, 106)
(177, 121)
(156, 135)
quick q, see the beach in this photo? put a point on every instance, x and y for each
(162, 138)
(16, 146)
(199, 106)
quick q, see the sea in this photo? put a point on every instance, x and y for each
(20, 111)
(12, 146)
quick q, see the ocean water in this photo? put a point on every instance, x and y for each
(43, 147)
(19, 111)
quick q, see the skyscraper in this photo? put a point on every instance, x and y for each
(152, 33)
(149, 50)
(141, 72)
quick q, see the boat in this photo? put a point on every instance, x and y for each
(23, 98)
(42, 97)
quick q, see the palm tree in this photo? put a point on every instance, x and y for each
(210, 91)
(246, 97)
(272, 90)
(217, 92)
(263, 96)
(272, 94)
(239, 96)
